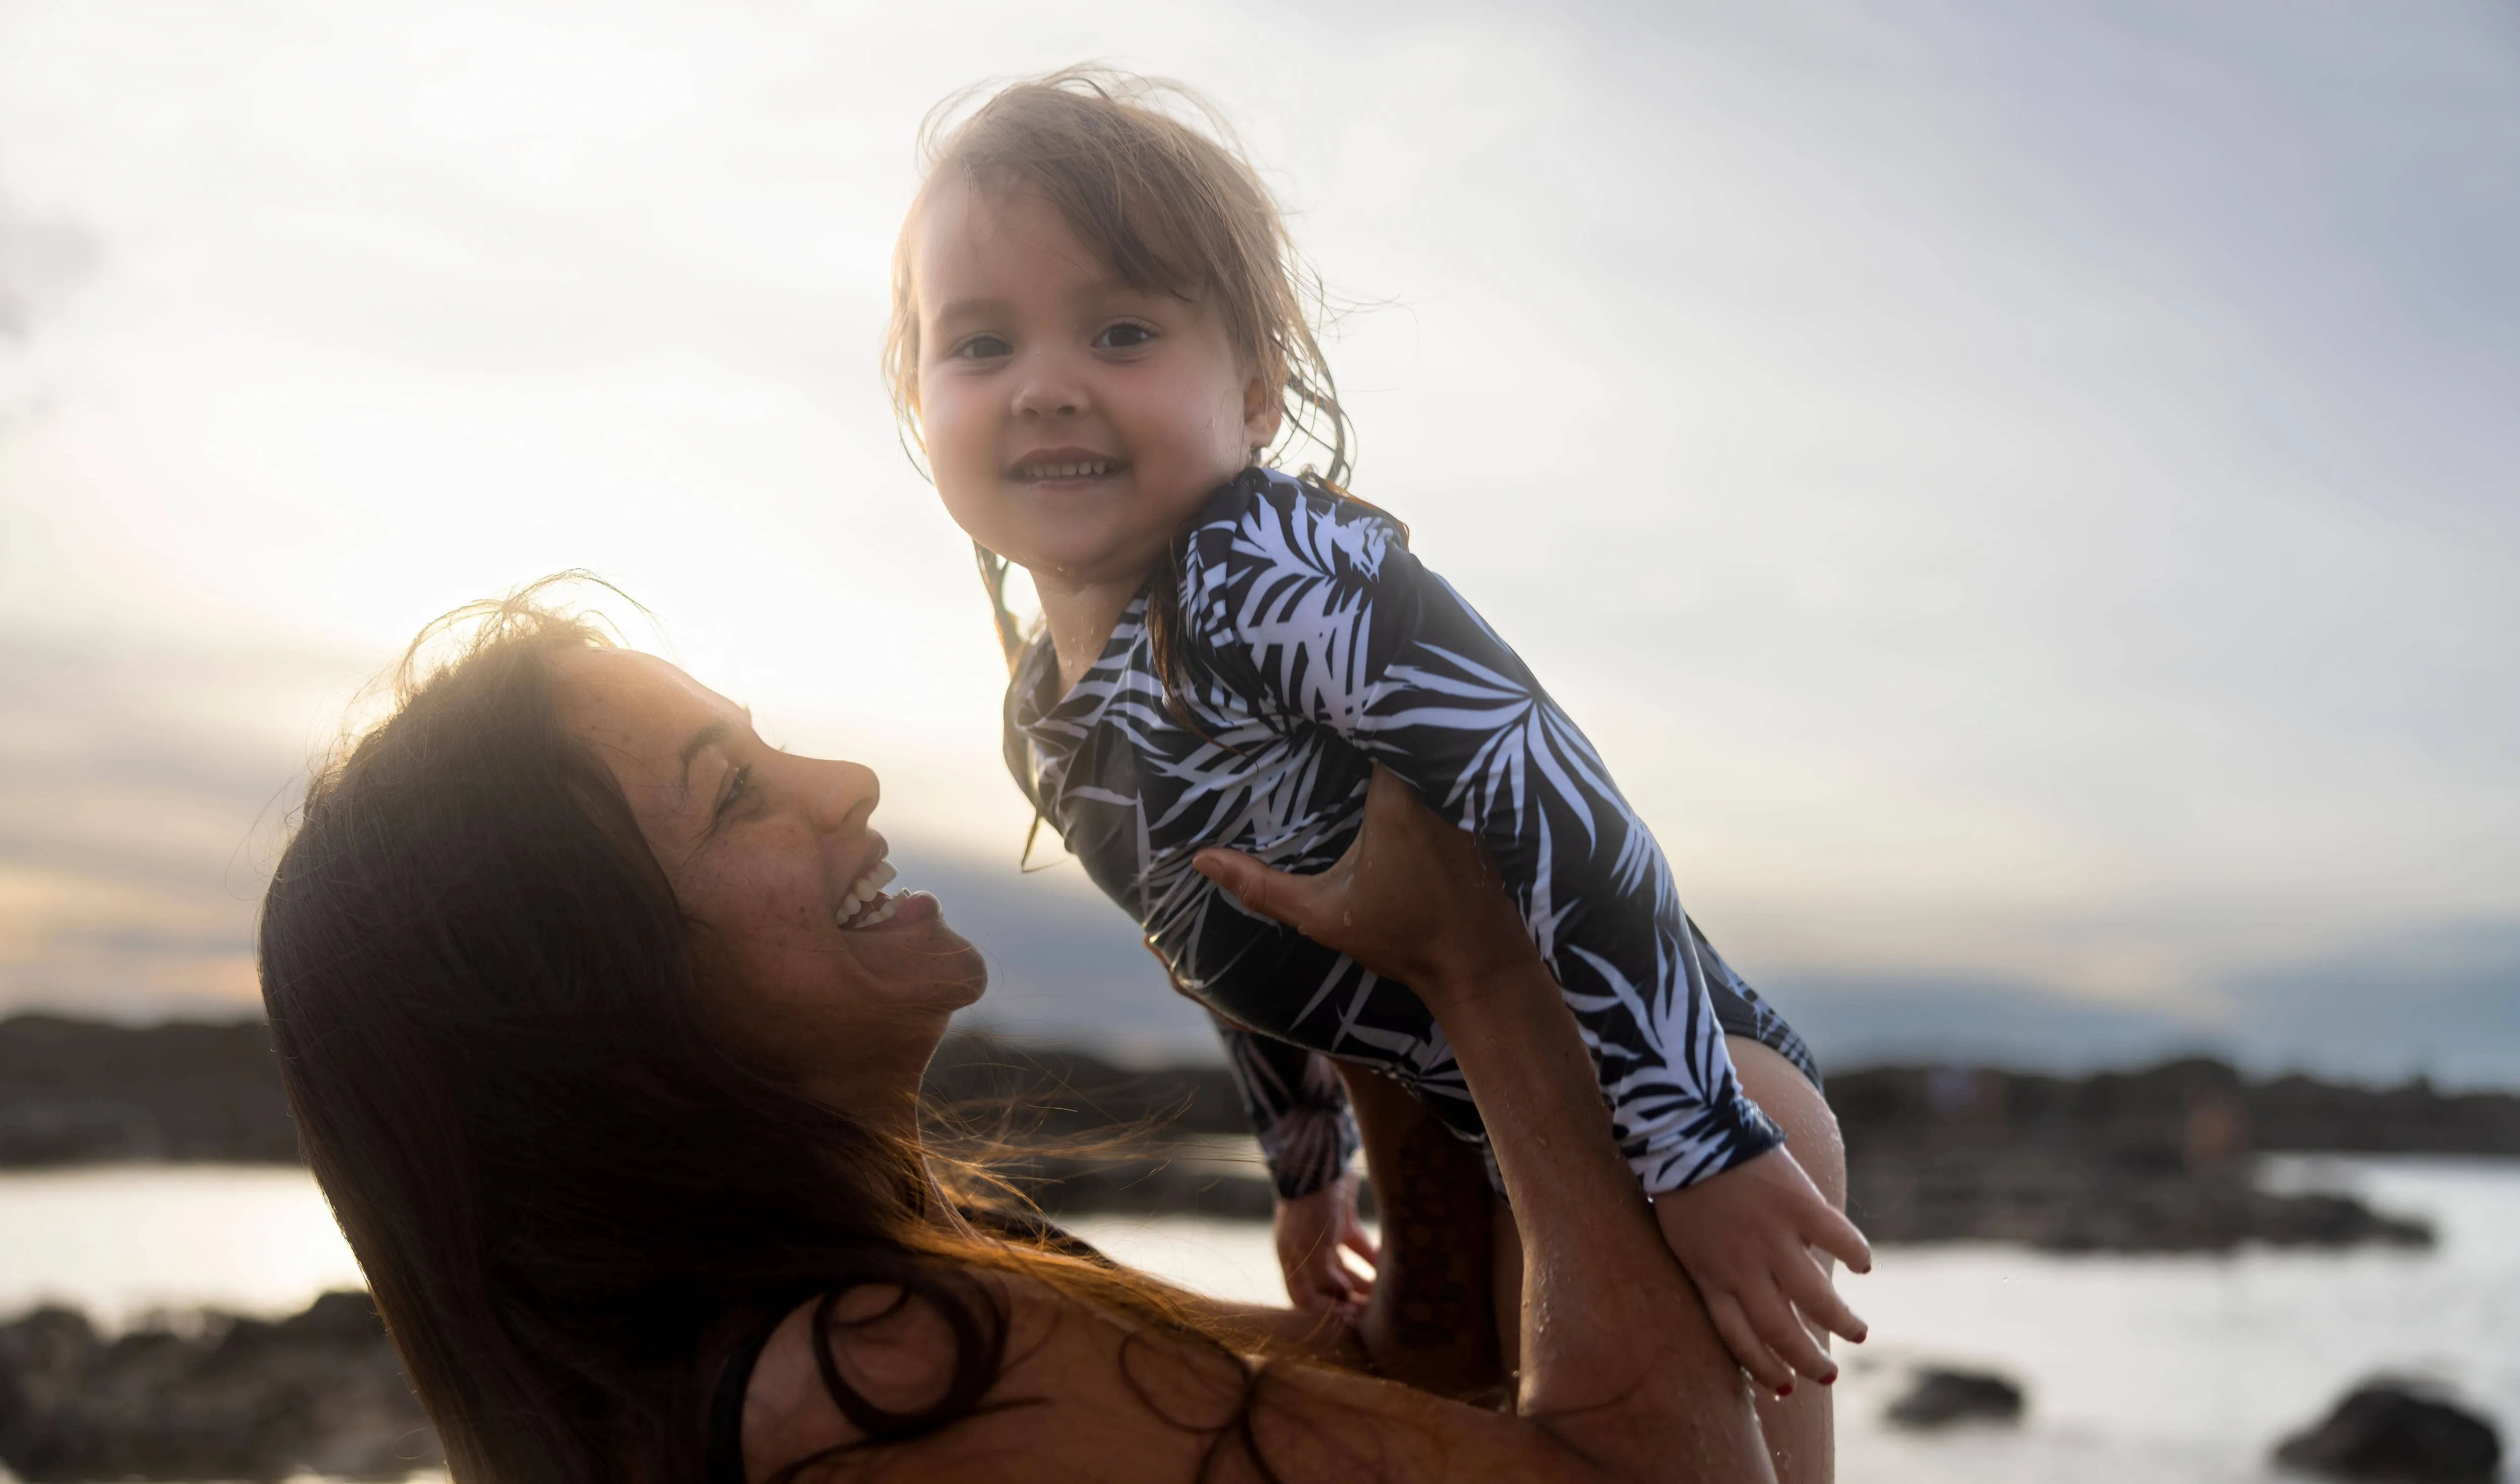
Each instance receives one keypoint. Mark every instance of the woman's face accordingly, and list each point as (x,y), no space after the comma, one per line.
(804,960)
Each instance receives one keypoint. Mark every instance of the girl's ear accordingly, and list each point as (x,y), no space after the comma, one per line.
(1264,412)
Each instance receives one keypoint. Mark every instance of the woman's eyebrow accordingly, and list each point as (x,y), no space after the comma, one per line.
(710,736)
(713,734)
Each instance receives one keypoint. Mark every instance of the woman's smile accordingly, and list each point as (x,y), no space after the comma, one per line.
(772,854)
(866,905)
(895,914)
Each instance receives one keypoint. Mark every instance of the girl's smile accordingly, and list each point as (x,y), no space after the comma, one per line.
(1066,468)
(1072,420)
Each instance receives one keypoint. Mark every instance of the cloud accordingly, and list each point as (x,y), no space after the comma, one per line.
(2018,494)
(136,778)
(2444,1002)
(40,261)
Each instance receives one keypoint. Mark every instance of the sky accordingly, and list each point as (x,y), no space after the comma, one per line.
(2025,498)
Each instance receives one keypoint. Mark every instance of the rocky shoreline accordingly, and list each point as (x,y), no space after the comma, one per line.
(2147,1161)
(320,1392)
(2152,1160)
(2157,1160)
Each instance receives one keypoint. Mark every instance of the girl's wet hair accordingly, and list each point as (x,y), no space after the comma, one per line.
(1172,207)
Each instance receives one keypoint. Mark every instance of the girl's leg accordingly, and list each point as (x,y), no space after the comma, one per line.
(1801,1429)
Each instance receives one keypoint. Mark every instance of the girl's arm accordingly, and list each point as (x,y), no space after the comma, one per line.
(1308,1135)
(1394,903)
(1623,1377)
(1315,608)
(1297,1107)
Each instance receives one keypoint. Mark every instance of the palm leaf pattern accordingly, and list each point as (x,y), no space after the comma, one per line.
(1321,647)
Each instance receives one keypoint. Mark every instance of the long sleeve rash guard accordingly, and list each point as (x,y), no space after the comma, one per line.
(1315,645)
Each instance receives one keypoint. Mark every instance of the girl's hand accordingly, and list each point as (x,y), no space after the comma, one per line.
(1746,1238)
(1414,899)
(1310,1232)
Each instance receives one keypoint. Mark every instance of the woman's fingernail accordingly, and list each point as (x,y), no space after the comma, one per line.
(1784,1391)
(1830,1379)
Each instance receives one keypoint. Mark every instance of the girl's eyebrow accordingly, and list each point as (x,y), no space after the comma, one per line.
(1097,290)
(971,310)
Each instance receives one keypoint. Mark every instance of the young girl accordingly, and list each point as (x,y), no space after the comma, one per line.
(1098,331)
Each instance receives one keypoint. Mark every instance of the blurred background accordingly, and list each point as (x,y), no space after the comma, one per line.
(2025,497)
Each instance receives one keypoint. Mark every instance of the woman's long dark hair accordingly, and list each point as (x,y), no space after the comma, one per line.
(566,1197)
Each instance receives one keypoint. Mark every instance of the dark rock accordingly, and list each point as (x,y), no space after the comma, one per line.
(319,1392)
(1151,1182)
(2069,1201)
(2179,1114)
(1940,1397)
(1026,1092)
(2149,1161)
(2393,1430)
(79,1091)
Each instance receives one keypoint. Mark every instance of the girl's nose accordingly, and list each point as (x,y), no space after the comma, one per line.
(1048,388)
(844,797)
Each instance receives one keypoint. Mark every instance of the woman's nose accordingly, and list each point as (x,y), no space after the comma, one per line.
(844,797)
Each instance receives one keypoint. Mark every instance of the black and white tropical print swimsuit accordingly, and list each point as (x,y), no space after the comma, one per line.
(1319,645)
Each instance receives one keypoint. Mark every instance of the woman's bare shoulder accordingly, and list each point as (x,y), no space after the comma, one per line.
(1083,1392)
(1061,1380)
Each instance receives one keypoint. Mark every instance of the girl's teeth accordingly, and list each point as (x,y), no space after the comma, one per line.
(1067,471)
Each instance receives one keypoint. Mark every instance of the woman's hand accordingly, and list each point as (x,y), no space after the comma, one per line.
(1414,898)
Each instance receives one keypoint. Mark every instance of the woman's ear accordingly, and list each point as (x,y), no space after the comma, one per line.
(1264,412)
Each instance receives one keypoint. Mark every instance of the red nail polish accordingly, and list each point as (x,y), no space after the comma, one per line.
(1784,1391)
(1830,1379)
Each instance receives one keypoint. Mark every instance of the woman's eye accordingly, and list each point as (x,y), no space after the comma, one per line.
(982,348)
(737,785)
(1125,335)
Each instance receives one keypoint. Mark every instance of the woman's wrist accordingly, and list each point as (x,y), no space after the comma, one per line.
(1474,975)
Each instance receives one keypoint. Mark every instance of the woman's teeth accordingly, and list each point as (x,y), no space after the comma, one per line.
(866,904)
(881,913)
(1092,469)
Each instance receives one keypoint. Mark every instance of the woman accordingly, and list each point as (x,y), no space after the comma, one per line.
(604,1041)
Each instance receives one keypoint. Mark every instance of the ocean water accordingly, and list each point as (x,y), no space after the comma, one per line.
(2178,1369)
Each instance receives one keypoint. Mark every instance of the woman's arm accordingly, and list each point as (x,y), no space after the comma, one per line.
(1431,1319)
(1609,1320)
(1623,1377)
(1317,608)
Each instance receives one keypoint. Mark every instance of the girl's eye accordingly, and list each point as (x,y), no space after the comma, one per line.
(1124,336)
(982,348)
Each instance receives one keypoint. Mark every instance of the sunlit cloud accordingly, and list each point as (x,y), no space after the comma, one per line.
(2021,496)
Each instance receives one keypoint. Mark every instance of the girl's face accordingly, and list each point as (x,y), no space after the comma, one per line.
(1072,423)
(771,861)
